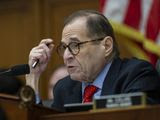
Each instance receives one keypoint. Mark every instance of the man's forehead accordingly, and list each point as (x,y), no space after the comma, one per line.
(74,31)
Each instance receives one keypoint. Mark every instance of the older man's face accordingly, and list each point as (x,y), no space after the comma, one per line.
(86,65)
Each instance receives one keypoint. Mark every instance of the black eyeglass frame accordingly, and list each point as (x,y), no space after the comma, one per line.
(78,45)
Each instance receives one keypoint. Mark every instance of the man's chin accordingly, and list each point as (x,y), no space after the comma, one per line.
(76,77)
(79,77)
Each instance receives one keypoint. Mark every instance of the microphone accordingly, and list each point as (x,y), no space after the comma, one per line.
(16,70)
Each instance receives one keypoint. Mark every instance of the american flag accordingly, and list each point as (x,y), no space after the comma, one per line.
(142,15)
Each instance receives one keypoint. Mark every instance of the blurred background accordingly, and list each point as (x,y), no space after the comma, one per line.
(23,23)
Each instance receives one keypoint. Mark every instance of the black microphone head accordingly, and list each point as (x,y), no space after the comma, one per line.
(20,69)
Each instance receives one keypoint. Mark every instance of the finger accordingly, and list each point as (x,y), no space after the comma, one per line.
(38,56)
(43,54)
(45,49)
(46,41)
(51,46)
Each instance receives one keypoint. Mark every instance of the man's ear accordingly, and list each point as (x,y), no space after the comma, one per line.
(108,44)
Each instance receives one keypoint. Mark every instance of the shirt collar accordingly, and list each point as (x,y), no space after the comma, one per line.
(98,82)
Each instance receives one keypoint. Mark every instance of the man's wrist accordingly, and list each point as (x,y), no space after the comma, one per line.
(33,81)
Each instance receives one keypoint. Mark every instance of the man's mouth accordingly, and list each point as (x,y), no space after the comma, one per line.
(71,68)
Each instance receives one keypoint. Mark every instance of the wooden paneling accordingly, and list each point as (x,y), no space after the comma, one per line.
(18,31)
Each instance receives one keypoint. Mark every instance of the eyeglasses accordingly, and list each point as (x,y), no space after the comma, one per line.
(74,47)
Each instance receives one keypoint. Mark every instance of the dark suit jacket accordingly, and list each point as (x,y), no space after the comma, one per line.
(2,115)
(124,76)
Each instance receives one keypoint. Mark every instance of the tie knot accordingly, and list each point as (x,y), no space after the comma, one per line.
(89,92)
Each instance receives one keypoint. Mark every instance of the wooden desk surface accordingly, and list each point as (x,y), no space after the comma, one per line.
(132,113)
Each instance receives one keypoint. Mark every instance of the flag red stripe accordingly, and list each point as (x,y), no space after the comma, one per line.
(102,4)
(153,23)
(133,15)
(153,26)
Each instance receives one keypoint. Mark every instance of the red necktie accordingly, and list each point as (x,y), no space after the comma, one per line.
(88,93)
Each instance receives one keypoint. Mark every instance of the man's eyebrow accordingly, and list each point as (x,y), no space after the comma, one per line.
(74,40)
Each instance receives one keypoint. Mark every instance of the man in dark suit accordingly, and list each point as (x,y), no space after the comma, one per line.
(90,53)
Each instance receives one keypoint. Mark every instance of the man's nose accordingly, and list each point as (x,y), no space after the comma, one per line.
(67,54)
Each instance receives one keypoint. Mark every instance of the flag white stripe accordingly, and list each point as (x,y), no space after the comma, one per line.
(145,8)
(116,10)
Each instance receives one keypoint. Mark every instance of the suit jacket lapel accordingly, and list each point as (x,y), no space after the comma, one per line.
(108,85)
(75,96)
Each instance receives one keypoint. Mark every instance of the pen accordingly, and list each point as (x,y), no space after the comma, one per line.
(37,61)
